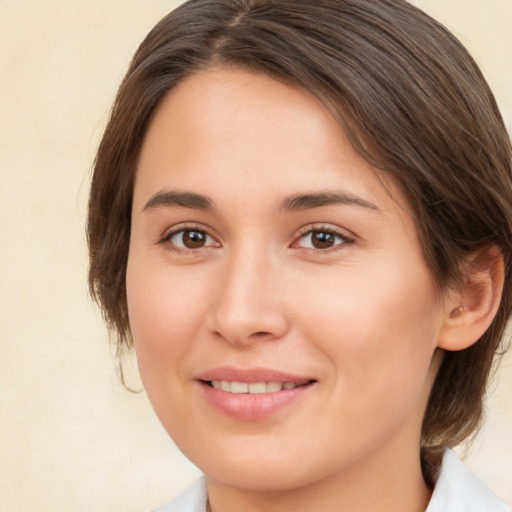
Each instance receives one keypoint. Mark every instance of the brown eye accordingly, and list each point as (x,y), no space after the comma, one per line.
(321,240)
(190,239)
(193,239)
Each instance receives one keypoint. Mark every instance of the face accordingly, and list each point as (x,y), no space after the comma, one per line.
(283,316)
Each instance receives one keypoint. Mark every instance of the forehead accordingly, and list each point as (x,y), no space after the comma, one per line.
(227,129)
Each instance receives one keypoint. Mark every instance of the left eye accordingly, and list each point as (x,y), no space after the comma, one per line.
(320,239)
(190,239)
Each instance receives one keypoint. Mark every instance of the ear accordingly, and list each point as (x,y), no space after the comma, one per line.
(471,308)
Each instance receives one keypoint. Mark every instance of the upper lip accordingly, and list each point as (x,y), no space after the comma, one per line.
(250,375)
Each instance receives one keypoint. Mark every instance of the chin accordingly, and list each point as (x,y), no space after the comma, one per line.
(259,469)
(259,479)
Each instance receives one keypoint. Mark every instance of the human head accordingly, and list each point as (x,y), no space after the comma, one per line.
(409,98)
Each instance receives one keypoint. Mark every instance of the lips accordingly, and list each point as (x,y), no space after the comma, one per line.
(250,375)
(252,394)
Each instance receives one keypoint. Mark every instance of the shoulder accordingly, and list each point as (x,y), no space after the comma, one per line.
(193,499)
(459,490)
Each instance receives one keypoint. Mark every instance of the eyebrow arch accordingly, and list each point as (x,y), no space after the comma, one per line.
(172,198)
(300,202)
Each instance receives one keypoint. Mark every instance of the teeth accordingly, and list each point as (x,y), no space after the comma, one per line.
(272,387)
(256,387)
(239,387)
(253,387)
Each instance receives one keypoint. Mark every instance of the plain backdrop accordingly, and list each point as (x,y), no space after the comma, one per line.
(71,438)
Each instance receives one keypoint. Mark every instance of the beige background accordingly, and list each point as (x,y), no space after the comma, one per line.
(71,438)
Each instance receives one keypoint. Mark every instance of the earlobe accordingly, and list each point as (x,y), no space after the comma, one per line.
(471,309)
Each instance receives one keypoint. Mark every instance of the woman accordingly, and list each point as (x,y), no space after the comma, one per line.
(299,218)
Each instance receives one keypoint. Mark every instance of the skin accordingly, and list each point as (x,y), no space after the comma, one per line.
(360,314)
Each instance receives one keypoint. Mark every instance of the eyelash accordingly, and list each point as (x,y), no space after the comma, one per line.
(329,230)
(304,232)
(167,238)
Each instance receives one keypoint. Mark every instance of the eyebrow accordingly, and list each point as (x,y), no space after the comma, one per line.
(301,202)
(180,199)
(296,202)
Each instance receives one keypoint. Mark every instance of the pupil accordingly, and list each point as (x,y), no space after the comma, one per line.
(193,239)
(323,240)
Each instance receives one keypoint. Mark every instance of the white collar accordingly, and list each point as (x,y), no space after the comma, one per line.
(456,490)
(193,499)
(459,490)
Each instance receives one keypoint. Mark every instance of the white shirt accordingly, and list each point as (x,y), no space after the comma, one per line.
(456,490)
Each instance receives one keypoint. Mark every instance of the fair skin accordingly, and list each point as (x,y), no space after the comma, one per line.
(264,249)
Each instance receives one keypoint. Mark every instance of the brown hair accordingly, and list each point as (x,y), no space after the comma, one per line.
(412,102)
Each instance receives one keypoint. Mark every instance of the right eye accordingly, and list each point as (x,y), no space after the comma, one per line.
(190,239)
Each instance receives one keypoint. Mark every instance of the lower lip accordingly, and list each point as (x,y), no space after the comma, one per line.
(253,407)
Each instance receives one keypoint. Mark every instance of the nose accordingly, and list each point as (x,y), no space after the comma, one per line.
(249,304)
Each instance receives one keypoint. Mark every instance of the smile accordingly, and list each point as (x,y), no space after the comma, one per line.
(254,388)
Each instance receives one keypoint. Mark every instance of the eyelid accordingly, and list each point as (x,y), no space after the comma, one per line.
(347,237)
(187,226)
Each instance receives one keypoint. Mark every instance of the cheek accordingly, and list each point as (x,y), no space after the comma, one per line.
(378,329)
(165,314)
